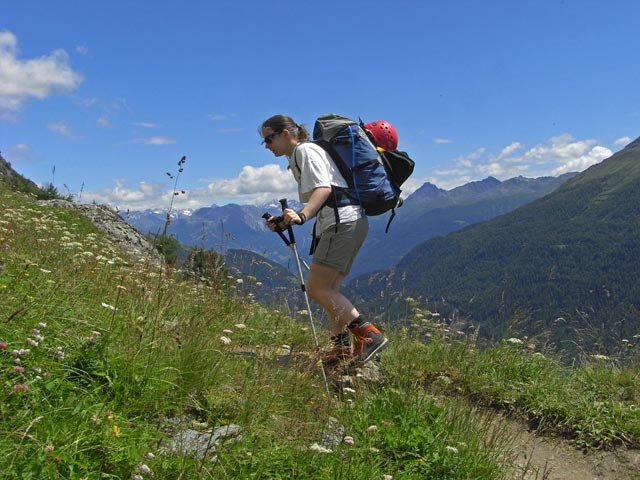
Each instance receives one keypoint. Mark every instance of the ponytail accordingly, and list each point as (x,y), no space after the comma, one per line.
(278,123)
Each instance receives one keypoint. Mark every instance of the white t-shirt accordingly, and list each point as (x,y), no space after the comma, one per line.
(312,167)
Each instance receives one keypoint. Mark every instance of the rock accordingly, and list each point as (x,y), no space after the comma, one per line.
(122,234)
(202,444)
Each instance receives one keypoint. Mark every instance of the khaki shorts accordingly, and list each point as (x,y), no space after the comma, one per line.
(338,249)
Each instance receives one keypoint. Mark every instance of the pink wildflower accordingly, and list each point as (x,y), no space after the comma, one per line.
(20,387)
(348,440)
(19,368)
(3,345)
(145,469)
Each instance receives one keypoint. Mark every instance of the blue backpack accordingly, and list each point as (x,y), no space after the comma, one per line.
(374,177)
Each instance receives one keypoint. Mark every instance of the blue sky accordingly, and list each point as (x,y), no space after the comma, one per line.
(103,98)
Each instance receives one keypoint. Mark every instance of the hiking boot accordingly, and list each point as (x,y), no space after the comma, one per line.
(367,342)
(338,354)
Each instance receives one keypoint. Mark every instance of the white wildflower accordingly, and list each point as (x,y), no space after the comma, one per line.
(319,448)
(225,340)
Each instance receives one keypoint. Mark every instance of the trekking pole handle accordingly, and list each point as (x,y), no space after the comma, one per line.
(278,230)
(283,202)
(267,216)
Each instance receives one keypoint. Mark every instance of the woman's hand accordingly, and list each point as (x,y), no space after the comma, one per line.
(272,223)
(291,217)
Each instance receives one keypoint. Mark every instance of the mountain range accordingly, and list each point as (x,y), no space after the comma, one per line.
(431,212)
(428,212)
(563,267)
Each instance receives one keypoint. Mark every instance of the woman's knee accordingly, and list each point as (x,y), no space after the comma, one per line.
(317,291)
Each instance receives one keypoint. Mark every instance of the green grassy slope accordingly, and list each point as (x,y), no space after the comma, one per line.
(101,356)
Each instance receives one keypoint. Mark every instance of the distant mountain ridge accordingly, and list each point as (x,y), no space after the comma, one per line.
(222,228)
(428,212)
(563,266)
(431,212)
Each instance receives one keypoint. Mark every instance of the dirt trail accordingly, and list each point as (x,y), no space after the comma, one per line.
(539,458)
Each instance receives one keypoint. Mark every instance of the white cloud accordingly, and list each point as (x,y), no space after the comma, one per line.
(563,154)
(442,141)
(104,122)
(82,50)
(62,128)
(155,140)
(559,155)
(509,149)
(221,116)
(256,185)
(39,78)
(146,195)
(253,185)
(468,159)
(20,152)
(583,161)
(623,141)
(145,124)
(493,169)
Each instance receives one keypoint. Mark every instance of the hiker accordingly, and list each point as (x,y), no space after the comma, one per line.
(336,243)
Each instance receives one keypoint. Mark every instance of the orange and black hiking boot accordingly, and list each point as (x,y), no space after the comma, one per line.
(367,342)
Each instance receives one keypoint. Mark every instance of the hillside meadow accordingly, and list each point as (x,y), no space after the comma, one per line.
(105,360)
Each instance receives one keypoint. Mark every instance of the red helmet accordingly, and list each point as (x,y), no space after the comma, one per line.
(384,134)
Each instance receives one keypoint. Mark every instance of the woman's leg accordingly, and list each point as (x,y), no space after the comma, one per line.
(323,286)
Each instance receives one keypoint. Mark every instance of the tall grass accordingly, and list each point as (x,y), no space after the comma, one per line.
(103,358)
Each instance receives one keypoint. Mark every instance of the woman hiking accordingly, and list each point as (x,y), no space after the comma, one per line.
(336,243)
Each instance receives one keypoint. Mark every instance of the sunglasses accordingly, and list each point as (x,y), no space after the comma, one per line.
(269,138)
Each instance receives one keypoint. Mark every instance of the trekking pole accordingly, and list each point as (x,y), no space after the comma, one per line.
(291,243)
